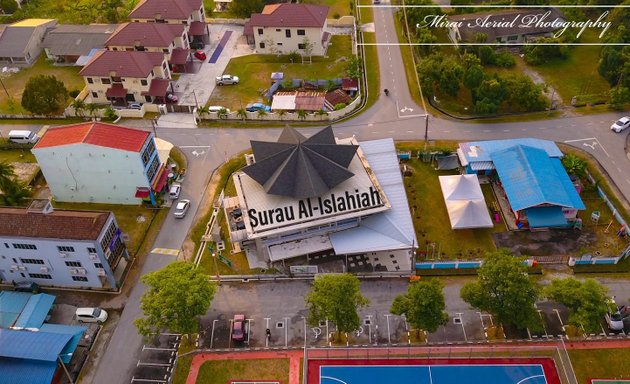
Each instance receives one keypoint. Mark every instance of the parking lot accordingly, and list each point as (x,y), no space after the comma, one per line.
(155,363)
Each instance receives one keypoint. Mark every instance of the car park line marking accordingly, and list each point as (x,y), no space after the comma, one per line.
(133,380)
(166,251)
(153,364)
(157,349)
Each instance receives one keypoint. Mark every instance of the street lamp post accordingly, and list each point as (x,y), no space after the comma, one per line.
(426,127)
(216,266)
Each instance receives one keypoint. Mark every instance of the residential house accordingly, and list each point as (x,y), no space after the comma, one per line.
(529,176)
(101,163)
(170,39)
(21,42)
(465,28)
(60,248)
(187,12)
(285,28)
(76,44)
(308,101)
(120,77)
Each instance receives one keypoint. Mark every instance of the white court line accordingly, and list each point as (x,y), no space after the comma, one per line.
(531,377)
(332,378)
(430,376)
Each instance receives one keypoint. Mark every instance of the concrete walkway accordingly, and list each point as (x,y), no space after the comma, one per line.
(293,356)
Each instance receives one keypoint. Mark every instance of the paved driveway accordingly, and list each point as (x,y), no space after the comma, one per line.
(202,82)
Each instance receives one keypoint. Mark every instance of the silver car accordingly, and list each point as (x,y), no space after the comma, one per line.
(227,79)
(181,208)
(621,124)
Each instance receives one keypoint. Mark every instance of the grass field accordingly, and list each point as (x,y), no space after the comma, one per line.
(255,71)
(431,219)
(221,372)
(126,216)
(600,363)
(337,7)
(15,83)
(16,156)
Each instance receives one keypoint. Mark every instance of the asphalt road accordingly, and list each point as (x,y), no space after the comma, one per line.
(391,116)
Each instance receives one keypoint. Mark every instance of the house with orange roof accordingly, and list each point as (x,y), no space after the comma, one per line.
(122,77)
(190,13)
(284,28)
(101,163)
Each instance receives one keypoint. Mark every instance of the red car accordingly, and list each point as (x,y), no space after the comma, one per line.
(238,328)
(200,55)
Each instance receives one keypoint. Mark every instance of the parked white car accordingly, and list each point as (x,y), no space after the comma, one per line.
(621,124)
(227,79)
(91,315)
(181,209)
(174,191)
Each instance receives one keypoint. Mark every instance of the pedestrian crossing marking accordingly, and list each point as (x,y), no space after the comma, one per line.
(166,251)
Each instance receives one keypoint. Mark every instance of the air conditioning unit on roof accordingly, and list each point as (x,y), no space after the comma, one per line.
(62,255)
(73,271)
(43,269)
(101,272)
(81,271)
(93,256)
(22,268)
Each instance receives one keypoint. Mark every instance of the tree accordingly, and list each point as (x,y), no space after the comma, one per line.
(7,174)
(110,113)
(15,194)
(522,94)
(585,299)
(92,108)
(242,113)
(440,72)
(545,50)
(44,95)
(178,294)
(354,68)
(425,38)
(321,113)
(8,7)
(618,96)
(281,113)
(202,111)
(79,106)
(301,114)
(504,290)
(574,165)
(222,113)
(336,297)
(423,305)
(261,113)
(245,8)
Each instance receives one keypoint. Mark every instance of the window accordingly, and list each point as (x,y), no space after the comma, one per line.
(153,168)
(116,79)
(24,246)
(262,45)
(32,261)
(91,250)
(90,81)
(79,278)
(165,50)
(301,32)
(144,82)
(109,235)
(106,81)
(148,152)
(14,259)
(147,98)
(301,46)
(40,276)
(287,32)
(65,249)
(114,49)
(73,263)
(94,95)
(98,265)
(6,245)
(260,31)
(512,38)
(279,43)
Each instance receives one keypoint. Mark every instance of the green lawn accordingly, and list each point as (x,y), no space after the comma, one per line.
(577,75)
(337,7)
(183,363)
(126,216)
(221,372)
(430,216)
(16,156)
(600,363)
(15,83)
(255,71)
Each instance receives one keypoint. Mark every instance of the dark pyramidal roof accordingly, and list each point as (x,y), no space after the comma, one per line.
(299,167)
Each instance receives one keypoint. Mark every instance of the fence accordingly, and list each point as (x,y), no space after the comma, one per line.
(553,350)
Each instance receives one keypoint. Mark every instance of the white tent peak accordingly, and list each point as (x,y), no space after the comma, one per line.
(462,187)
(465,203)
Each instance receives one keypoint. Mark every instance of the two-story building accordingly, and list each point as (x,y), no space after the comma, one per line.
(59,248)
(21,42)
(101,163)
(187,12)
(285,28)
(121,77)
(169,39)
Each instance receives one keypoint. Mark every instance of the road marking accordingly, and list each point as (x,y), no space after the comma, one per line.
(153,364)
(576,140)
(405,109)
(487,130)
(619,169)
(409,131)
(166,251)
(133,380)
(144,348)
(523,129)
(542,128)
(506,130)
(447,131)
(194,146)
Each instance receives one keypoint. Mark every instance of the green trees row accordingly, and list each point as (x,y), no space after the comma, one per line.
(180,293)
(12,191)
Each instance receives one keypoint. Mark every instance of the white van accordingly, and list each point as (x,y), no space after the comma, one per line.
(91,315)
(23,137)
(217,108)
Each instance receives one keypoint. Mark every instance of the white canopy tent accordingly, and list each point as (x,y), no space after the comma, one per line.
(465,203)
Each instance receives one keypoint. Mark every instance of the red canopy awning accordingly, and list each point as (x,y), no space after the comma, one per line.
(179,56)
(197,28)
(158,88)
(160,179)
(142,192)
(117,91)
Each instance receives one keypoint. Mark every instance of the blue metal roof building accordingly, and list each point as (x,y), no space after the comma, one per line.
(35,312)
(536,183)
(477,155)
(11,305)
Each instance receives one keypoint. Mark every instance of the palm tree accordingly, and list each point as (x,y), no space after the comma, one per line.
(301,114)
(242,113)
(321,114)
(7,174)
(202,111)
(222,113)
(15,194)
(79,106)
(574,165)
(110,113)
(92,109)
(281,113)
(262,113)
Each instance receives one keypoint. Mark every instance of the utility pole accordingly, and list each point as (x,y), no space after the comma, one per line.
(5,89)
(216,266)
(426,127)
(195,96)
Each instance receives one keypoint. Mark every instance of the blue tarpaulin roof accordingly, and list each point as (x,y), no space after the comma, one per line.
(35,311)
(478,151)
(75,331)
(531,178)
(42,346)
(542,217)
(11,305)
(18,371)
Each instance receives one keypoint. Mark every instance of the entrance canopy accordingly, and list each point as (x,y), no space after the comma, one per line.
(465,203)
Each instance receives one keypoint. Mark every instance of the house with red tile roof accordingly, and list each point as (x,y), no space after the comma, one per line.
(284,28)
(170,39)
(185,12)
(100,163)
(121,77)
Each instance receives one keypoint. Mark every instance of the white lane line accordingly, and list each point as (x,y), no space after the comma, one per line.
(487,130)
(506,130)
(576,140)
